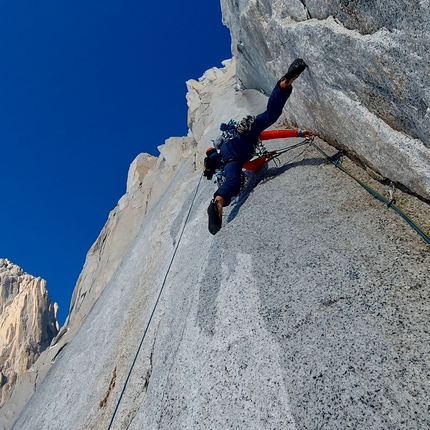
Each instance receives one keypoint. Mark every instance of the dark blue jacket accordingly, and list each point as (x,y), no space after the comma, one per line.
(241,148)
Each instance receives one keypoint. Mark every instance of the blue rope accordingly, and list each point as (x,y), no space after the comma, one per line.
(154,308)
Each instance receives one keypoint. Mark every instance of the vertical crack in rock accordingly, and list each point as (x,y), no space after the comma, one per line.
(109,390)
(54,359)
(308,14)
(36,377)
(148,372)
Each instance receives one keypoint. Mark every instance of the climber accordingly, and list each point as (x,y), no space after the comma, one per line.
(237,150)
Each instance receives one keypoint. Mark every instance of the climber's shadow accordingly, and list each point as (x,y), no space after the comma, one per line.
(265,174)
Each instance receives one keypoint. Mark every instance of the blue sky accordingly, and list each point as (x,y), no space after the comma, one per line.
(86,86)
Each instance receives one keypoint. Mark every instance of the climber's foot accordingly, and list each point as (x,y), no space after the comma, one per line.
(294,71)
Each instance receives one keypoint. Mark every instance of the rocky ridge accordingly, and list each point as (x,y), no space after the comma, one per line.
(27,323)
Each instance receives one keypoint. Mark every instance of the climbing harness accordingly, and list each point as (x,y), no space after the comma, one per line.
(262,156)
(220,179)
(389,203)
(155,307)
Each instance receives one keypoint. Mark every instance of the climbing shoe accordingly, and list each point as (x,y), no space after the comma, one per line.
(215,218)
(294,71)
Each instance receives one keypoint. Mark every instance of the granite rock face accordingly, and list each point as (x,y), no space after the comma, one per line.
(309,309)
(367,86)
(147,178)
(27,323)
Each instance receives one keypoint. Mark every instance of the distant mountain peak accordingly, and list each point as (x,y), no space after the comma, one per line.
(28,323)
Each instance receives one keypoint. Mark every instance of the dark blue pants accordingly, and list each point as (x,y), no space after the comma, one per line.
(241,148)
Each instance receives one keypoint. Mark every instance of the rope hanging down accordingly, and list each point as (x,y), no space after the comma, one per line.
(374,193)
(155,307)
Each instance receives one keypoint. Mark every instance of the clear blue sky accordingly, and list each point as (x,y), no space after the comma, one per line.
(85,86)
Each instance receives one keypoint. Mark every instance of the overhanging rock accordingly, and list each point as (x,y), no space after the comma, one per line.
(366,88)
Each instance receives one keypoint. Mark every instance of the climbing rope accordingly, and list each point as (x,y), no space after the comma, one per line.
(155,306)
(270,155)
(289,148)
(374,193)
(273,155)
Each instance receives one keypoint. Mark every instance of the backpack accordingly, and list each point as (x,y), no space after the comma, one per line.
(232,129)
(212,162)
